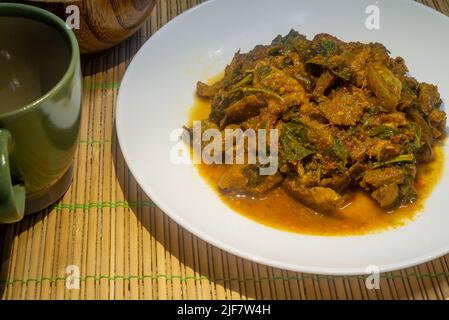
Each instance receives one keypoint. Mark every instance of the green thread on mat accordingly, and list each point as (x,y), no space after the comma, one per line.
(103,205)
(95,141)
(196,278)
(101,85)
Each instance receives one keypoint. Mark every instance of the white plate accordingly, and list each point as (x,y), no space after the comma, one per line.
(159,86)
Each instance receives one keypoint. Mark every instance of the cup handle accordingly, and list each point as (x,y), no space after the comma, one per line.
(12,198)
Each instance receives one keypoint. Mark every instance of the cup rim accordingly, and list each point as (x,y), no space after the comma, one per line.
(28,11)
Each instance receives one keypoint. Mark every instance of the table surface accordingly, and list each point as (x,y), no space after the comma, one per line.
(124,247)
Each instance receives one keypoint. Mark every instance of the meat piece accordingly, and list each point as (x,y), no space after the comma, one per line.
(437,120)
(392,119)
(259,184)
(378,53)
(243,109)
(358,64)
(325,80)
(381,149)
(323,200)
(280,82)
(429,97)
(382,176)
(357,170)
(344,108)
(392,186)
(311,110)
(397,65)
(339,182)
(208,91)
(233,179)
(242,62)
(264,120)
(288,90)
(318,134)
(384,84)
(246,179)
(357,150)
(387,196)
(307,178)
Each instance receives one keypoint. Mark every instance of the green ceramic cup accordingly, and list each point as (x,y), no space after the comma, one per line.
(40,109)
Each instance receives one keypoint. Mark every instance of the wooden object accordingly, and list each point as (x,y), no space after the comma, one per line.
(102,23)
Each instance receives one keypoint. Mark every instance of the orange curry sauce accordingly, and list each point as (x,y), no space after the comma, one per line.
(278,210)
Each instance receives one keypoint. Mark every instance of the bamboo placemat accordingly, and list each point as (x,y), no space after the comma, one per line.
(127,248)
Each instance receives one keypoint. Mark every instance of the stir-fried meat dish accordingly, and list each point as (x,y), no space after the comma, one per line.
(348,115)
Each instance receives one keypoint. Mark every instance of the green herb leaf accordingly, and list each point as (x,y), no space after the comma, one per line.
(293,41)
(263,71)
(338,150)
(382,131)
(258,90)
(293,140)
(274,50)
(407,89)
(328,47)
(252,174)
(401,158)
(340,70)
(245,80)
(296,128)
